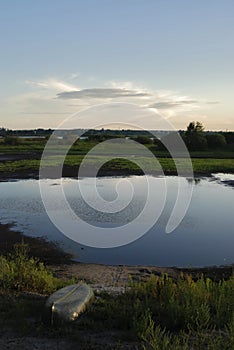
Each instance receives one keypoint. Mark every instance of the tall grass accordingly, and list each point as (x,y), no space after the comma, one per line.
(157,338)
(21,273)
(165,313)
(187,304)
(185,314)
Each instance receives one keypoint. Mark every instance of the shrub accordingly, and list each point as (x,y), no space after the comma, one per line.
(21,273)
(144,140)
(182,305)
(187,304)
(216,141)
(12,141)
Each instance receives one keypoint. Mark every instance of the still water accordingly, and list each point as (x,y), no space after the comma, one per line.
(204,237)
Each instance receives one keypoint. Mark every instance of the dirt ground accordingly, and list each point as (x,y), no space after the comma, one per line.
(109,278)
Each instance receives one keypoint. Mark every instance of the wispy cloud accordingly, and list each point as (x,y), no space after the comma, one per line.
(53,98)
(44,113)
(212,102)
(172,104)
(165,100)
(53,84)
(61,97)
(73,76)
(101,93)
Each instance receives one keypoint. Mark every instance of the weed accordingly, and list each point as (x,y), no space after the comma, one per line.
(21,273)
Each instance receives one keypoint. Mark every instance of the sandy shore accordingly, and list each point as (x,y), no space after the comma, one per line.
(115,279)
(109,278)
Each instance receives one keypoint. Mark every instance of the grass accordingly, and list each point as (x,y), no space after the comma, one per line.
(19,272)
(204,162)
(24,146)
(200,165)
(83,146)
(208,165)
(166,314)
(160,314)
(156,338)
(19,165)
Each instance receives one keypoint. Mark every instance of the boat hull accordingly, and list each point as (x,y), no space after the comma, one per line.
(68,303)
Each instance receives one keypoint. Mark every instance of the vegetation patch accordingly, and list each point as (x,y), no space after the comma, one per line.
(166,314)
(159,313)
(210,152)
(19,272)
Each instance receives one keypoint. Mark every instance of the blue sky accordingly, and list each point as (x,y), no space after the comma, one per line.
(172,56)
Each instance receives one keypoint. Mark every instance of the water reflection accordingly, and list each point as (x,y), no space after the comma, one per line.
(204,237)
(193,181)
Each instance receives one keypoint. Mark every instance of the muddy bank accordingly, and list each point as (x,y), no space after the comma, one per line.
(72,172)
(114,279)
(46,251)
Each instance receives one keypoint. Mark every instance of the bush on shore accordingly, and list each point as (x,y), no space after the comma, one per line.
(20,272)
(162,313)
(168,314)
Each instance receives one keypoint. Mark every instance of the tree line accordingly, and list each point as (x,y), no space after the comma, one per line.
(195,137)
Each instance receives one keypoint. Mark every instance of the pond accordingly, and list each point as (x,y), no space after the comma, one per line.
(204,237)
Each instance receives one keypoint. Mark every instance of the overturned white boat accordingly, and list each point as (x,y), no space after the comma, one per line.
(68,303)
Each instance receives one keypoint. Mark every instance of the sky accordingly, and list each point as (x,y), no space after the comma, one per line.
(170,57)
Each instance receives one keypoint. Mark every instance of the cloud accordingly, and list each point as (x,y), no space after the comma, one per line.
(169,102)
(172,104)
(212,102)
(44,113)
(129,85)
(53,84)
(101,93)
(73,76)
(55,98)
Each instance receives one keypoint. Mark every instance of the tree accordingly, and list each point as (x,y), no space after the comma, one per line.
(144,140)
(229,137)
(195,138)
(216,141)
(194,127)
(3,132)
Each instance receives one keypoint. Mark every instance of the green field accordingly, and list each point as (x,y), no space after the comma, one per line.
(200,165)
(29,152)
